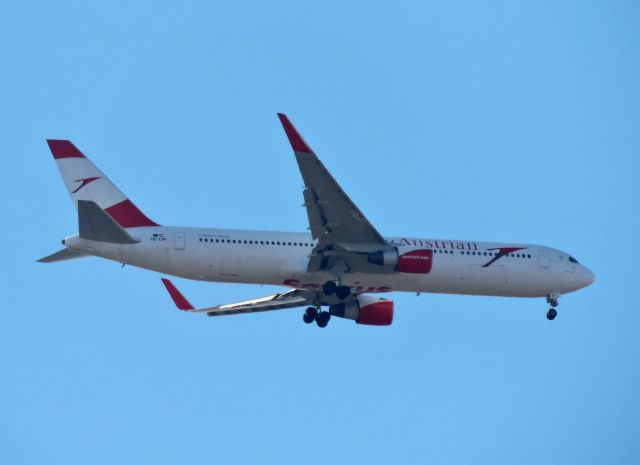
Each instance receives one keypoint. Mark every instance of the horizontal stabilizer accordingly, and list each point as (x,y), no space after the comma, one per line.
(62,255)
(95,224)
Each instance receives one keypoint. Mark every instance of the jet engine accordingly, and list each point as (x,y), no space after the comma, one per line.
(414,261)
(365,310)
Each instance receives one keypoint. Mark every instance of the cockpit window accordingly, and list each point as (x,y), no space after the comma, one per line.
(573,260)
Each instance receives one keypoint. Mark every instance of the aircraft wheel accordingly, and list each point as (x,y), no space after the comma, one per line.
(310,315)
(343,292)
(552,313)
(322,320)
(329,287)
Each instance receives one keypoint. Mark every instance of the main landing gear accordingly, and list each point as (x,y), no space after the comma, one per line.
(331,287)
(552,300)
(312,314)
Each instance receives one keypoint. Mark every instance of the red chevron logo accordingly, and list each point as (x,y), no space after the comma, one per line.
(502,252)
(84,182)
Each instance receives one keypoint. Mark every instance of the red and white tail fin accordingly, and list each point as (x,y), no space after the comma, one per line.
(85,181)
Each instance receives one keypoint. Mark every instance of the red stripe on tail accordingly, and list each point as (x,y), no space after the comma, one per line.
(63,149)
(128,215)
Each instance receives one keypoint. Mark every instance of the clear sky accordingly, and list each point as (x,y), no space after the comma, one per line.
(503,120)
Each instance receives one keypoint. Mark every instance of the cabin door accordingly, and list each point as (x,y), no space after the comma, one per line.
(178,241)
(544,259)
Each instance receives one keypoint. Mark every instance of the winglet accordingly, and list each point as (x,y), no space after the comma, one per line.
(295,139)
(181,302)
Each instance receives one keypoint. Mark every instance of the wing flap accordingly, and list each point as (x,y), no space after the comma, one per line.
(272,302)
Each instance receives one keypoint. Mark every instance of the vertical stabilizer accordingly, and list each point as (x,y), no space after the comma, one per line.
(85,181)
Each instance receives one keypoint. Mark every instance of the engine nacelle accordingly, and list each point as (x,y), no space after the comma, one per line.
(415,261)
(365,310)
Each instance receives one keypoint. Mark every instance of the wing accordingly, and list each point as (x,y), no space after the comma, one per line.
(344,235)
(290,299)
(333,217)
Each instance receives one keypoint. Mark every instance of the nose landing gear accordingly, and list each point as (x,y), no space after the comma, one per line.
(552,300)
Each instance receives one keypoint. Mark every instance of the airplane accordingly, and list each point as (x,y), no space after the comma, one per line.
(335,269)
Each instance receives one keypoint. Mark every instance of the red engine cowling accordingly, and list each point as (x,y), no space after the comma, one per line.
(378,314)
(365,310)
(417,261)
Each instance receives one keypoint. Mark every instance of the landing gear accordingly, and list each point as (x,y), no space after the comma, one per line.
(552,300)
(322,320)
(330,287)
(343,292)
(310,315)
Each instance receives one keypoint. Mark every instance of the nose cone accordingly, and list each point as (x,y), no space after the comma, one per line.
(586,277)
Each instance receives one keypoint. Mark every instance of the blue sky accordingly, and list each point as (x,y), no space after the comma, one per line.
(506,121)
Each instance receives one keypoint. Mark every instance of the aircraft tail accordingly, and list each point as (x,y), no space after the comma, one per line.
(85,181)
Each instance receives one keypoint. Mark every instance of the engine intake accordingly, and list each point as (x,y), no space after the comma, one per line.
(417,261)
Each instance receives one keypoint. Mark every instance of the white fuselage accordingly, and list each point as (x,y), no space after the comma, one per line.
(281,258)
